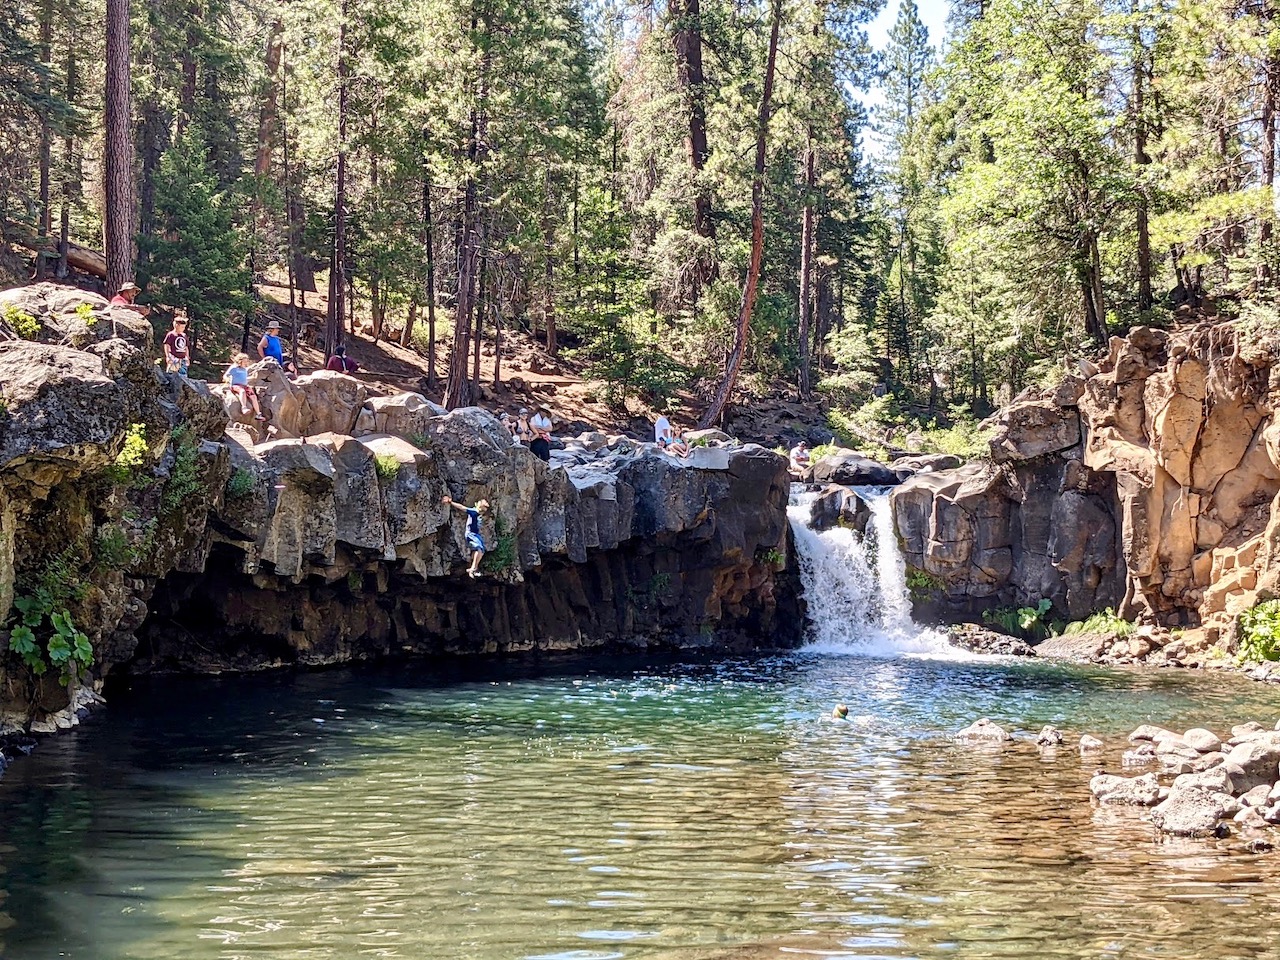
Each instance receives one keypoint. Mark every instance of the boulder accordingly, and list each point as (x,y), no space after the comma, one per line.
(710,435)
(1143,791)
(1191,812)
(1259,796)
(984,730)
(1255,762)
(907,466)
(1050,736)
(838,506)
(1090,744)
(1205,741)
(1149,733)
(1034,427)
(849,468)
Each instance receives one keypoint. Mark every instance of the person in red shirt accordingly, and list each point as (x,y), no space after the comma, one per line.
(126,295)
(341,362)
(176,355)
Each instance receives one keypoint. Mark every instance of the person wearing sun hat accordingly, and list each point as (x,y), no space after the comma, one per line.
(270,345)
(126,295)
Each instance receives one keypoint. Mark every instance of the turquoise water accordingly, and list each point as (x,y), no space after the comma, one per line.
(638,811)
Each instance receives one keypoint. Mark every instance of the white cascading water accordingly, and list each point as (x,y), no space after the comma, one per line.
(856,588)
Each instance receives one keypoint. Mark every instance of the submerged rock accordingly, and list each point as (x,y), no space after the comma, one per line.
(1050,736)
(984,730)
(1143,791)
(1088,744)
(976,639)
(1193,811)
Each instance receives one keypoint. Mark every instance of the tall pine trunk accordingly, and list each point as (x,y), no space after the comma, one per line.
(686,16)
(1270,81)
(337,270)
(807,245)
(734,362)
(1145,297)
(46,126)
(119,220)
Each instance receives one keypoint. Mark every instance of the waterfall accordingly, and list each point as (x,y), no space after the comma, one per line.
(856,587)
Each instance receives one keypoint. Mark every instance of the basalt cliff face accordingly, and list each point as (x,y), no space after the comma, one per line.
(176,542)
(1148,483)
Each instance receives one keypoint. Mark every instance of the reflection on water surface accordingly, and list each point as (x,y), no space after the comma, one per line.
(696,811)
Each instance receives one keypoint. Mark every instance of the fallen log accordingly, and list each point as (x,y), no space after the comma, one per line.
(82,258)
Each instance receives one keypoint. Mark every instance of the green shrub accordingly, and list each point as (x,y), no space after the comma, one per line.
(419,440)
(921,583)
(501,556)
(771,557)
(23,324)
(387,466)
(85,312)
(1260,632)
(111,548)
(184,476)
(1026,622)
(240,483)
(1105,621)
(133,455)
(45,635)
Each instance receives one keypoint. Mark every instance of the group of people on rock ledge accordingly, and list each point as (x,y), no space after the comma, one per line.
(533,432)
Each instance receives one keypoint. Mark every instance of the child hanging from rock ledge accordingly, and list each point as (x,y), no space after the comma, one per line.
(474,540)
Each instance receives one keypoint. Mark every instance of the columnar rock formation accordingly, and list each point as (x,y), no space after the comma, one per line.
(1147,483)
(175,543)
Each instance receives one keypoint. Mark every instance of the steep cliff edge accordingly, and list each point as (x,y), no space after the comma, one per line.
(169,543)
(1148,484)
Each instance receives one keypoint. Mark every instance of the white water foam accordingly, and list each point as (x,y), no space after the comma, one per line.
(856,588)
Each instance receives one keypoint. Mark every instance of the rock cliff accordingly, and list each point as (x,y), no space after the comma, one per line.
(131,501)
(1147,483)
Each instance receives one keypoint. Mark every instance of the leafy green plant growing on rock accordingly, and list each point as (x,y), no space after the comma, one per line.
(85,312)
(921,583)
(45,635)
(771,557)
(1021,621)
(184,476)
(240,483)
(419,440)
(387,466)
(133,455)
(22,323)
(1104,621)
(111,548)
(1260,632)
(501,555)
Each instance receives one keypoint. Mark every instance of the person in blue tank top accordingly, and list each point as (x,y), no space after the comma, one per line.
(475,540)
(270,345)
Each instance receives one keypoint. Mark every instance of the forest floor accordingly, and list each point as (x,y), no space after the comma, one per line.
(530,376)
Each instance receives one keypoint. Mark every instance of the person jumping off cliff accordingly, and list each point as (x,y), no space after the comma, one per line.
(474,540)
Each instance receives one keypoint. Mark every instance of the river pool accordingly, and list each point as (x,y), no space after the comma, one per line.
(636,810)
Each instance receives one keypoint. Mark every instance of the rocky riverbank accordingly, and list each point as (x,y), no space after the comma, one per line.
(140,514)
(1148,483)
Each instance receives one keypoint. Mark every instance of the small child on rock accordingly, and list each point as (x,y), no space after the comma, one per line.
(238,377)
(474,539)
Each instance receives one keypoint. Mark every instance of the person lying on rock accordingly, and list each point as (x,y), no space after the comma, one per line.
(238,376)
(474,540)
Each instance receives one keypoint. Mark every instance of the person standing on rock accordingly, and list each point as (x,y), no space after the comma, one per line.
(541,427)
(272,346)
(474,538)
(177,358)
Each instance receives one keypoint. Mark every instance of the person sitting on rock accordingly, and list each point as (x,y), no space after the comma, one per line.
(677,446)
(662,430)
(523,432)
(177,357)
(126,295)
(474,539)
(800,458)
(238,376)
(340,362)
